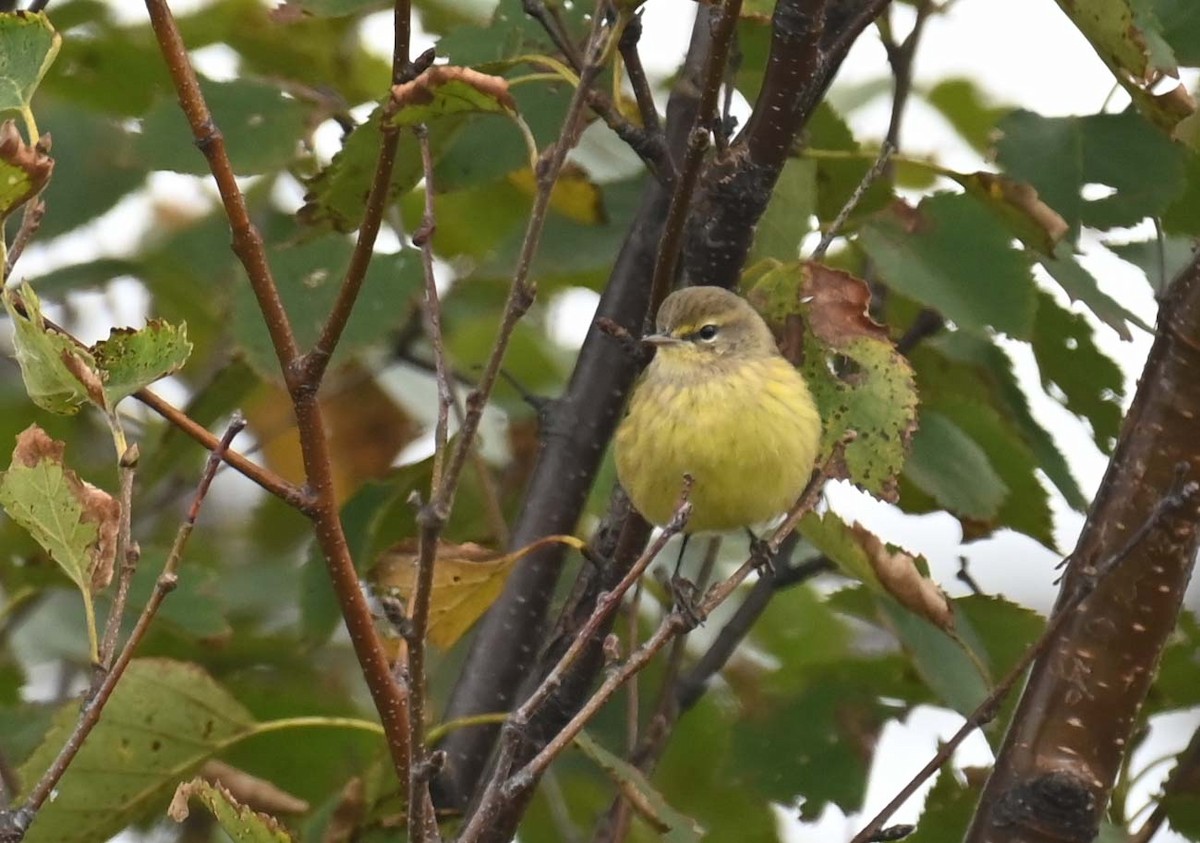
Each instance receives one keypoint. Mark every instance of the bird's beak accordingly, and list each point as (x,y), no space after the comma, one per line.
(658,340)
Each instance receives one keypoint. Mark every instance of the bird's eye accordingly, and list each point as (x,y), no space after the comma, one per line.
(708,333)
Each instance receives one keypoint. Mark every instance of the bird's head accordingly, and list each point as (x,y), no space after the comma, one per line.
(708,324)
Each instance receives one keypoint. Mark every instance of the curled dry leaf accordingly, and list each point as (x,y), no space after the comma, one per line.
(1038,225)
(25,169)
(446,89)
(467,578)
(898,574)
(237,820)
(838,310)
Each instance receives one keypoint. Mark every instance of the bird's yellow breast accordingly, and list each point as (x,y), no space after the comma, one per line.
(747,433)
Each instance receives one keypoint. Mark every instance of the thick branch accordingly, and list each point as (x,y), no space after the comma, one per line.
(809,40)
(1055,772)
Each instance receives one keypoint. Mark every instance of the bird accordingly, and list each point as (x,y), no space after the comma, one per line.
(719,403)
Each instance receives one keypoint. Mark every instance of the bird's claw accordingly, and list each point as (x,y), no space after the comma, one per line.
(683,592)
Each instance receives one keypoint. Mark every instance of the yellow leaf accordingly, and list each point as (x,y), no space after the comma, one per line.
(467,578)
(575,195)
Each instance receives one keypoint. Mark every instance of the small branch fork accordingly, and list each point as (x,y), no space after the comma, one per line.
(1183,493)
(103,687)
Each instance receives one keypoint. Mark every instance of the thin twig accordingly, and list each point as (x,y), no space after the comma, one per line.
(1174,499)
(316,361)
(498,787)
(128,553)
(322,507)
(636,73)
(868,179)
(31,221)
(605,604)
(430,519)
(678,621)
(523,290)
(89,715)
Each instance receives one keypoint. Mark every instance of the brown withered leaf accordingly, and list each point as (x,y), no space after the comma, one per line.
(467,578)
(24,169)
(839,306)
(1035,223)
(898,574)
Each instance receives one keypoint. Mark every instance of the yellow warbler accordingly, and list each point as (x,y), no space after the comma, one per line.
(718,402)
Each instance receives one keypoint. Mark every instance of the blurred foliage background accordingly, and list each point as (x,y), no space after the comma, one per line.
(794,717)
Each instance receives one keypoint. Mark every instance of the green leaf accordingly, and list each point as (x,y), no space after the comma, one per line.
(948,810)
(335,198)
(1160,260)
(1081,286)
(328,8)
(240,822)
(28,45)
(945,664)
(309,276)
(1087,382)
(24,169)
(858,379)
(950,254)
(74,521)
(1060,156)
(88,149)
(1026,506)
(262,130)
(1125,38)
(132,359)
(51,363)
(1030,220)
(965,106)
(984,367)
(164,720)
(672,825)
(887,572)
(788,216)
(1180,25)
(954,469)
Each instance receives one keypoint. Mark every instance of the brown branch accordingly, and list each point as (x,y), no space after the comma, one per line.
(98,698)
(266,479)
(430,520)
(321,507)
(31,221)
(128,552)
(1074,724)
(316,361)
(247,241)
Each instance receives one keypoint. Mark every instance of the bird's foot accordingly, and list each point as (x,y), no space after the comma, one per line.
(683,593)
(761,556)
